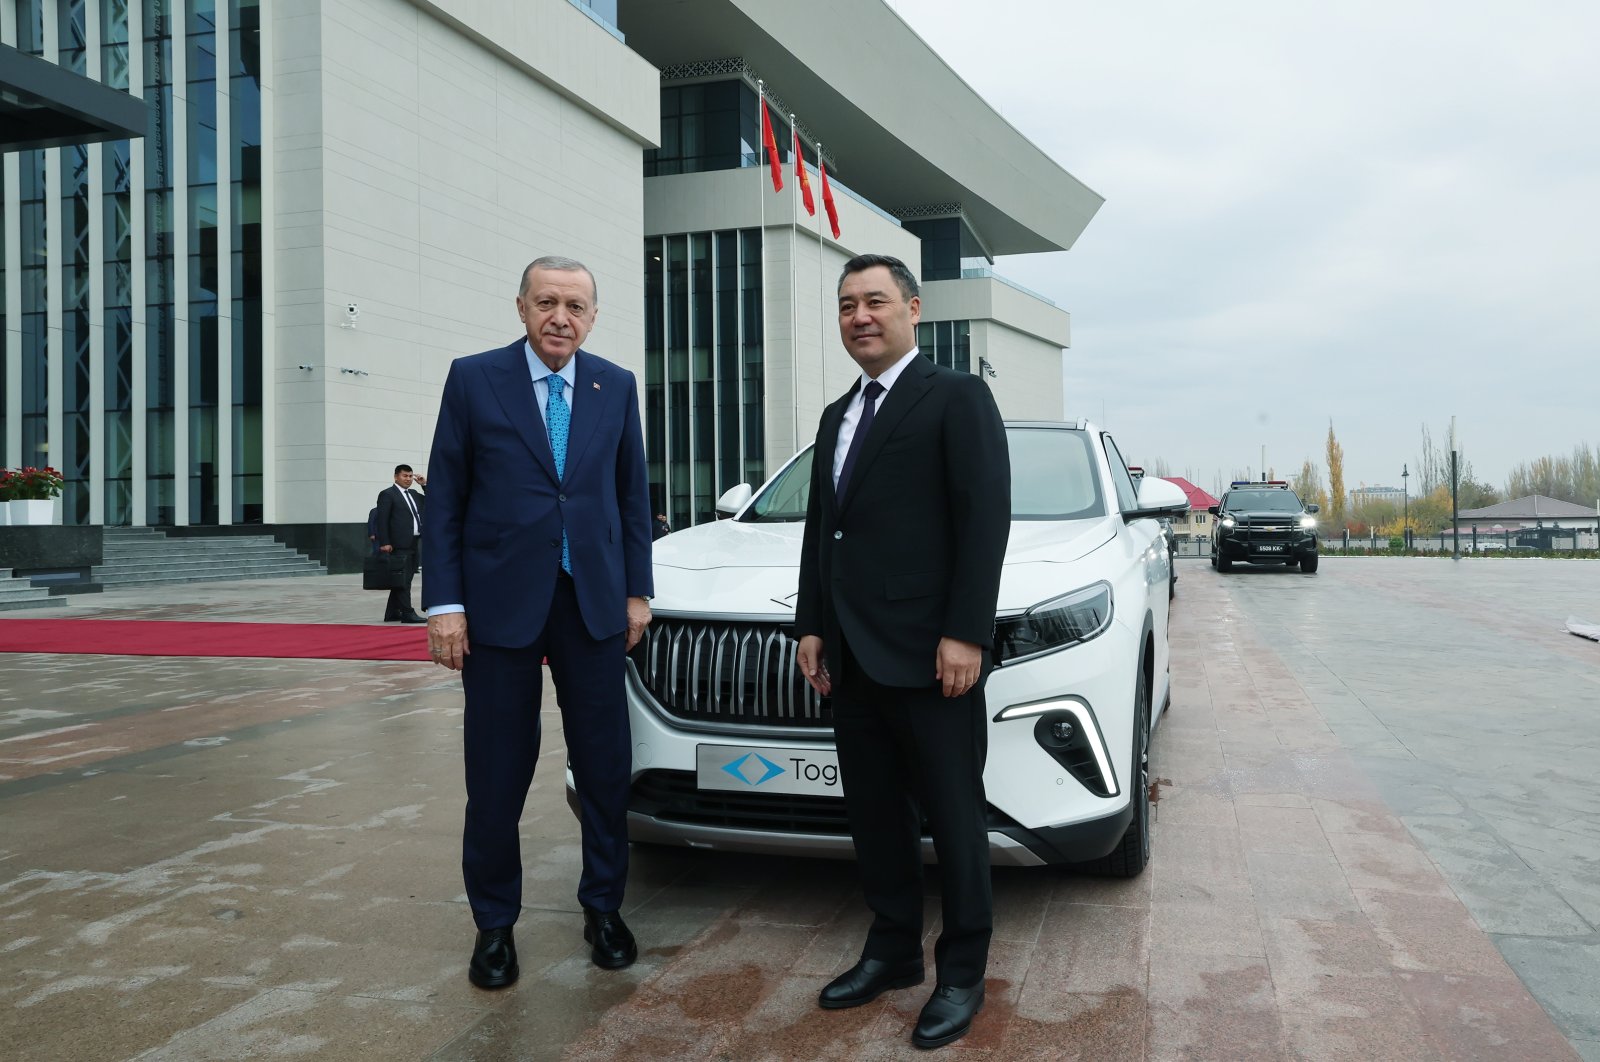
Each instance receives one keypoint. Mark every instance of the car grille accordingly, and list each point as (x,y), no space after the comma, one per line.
(714,671)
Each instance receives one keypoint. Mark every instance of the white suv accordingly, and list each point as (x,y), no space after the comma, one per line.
(732,750)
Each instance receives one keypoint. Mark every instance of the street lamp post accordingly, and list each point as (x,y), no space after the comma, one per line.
(1405,504)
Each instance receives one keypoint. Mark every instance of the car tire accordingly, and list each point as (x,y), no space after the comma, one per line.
(1213,560)
(1132,853)
(1308,563)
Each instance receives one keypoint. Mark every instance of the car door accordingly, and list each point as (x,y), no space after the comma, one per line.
(1148,563)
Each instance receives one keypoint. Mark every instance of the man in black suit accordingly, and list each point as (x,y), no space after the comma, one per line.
(399,531)
(905,535)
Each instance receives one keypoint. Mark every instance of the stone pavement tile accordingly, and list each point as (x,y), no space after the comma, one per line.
(1357,816)
(672,920)
(802,892)
(1299,885)
(1483,1018)
(105,1015)
(1107,892)
(1198,863)
(1021,896)
(1091,950)
(1337,967)
(1261,769)
(890,1036)
(1564,976)
(1573,871)
(1334,775)
(1433,934)
(1387,861)
(1188,805)
(1272,800)
(1272,829)
(1588,1050)
(836,945)
(1395,1033)
(314,1024)
(1219,927)
(1504,894)
(1205,1006)
(1077,1027)
(788,1025)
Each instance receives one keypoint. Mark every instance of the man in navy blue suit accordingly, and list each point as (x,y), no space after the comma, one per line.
(537,534)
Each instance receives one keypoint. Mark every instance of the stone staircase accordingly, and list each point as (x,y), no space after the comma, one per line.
(18,593)
(143,556)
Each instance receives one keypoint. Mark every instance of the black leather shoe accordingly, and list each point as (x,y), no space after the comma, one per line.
(947,1016)
(867,980)
(414,618)
(494,959)
(609,937)
(391,617)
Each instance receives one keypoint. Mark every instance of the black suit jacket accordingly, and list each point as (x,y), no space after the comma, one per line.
(912,552)
(394,519)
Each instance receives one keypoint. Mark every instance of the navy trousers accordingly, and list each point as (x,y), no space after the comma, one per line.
(503,688)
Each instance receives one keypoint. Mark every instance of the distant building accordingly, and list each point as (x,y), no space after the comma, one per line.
(1197,522)
(1362,495)
(1533,511)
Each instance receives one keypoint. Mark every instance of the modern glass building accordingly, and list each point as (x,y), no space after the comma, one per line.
(133,353)
(244,316)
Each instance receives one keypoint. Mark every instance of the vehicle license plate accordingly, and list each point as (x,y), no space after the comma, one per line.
(1269,549)
(744,768)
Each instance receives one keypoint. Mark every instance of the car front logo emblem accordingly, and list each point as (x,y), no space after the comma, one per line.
(742,769)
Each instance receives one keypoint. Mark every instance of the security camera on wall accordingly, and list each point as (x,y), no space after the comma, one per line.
(352,313)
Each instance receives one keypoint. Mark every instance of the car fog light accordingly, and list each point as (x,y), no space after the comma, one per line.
(1061,730)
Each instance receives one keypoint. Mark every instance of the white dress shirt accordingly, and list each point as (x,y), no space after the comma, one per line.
(852,412)
(540,372)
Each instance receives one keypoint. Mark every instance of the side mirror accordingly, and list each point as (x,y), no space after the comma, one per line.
(1214,510)
(1158,497)
(1312,508)
(733,499)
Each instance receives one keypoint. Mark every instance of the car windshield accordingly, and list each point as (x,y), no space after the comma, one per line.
(1258,501)
(1053,477)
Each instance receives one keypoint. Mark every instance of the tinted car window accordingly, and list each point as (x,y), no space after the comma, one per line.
(1271,501)
(1127,493)
(1053,477)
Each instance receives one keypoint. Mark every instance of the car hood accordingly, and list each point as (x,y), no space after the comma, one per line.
(1263,516)
(732,568)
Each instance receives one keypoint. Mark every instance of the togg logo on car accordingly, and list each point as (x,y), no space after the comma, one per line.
(742,769)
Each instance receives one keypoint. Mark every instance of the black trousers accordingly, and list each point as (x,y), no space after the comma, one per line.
(905,753)
(501,744)
(399,603)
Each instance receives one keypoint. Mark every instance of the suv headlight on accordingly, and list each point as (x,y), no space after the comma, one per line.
(1054,624)
(1227,521)
(1308,521)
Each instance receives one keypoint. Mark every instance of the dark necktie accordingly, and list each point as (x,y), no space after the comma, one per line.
(416,524)
(559,414)
(869,404)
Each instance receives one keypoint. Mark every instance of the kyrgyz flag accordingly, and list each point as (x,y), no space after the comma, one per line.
(827,198)
(800,175)
(772,147)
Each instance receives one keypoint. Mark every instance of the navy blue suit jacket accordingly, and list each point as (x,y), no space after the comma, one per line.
(492,528)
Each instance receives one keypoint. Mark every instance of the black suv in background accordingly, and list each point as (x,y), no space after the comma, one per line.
(1264,523)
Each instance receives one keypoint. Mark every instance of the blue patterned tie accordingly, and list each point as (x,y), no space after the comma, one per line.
(559,415)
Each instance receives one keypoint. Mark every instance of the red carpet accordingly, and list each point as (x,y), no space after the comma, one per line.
(321,641)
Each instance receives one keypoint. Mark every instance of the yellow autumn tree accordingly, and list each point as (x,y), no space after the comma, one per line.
(1335,480)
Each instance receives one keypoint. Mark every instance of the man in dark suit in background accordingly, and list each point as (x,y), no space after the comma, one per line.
(538,530)
(399,531)
(905,535)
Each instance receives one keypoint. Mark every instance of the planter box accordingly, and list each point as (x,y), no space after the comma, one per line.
(31,513)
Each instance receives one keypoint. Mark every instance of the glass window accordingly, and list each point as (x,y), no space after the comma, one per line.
(1127,493)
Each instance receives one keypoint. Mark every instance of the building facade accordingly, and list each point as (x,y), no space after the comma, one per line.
(245,316)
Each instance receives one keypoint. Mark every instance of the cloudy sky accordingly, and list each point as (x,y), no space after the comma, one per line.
(1378,214)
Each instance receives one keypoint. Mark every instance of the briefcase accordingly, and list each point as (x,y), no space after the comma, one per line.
(383,571)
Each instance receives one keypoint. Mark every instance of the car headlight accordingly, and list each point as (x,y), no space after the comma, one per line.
(1308,521)
(1227,521)
(1054,624)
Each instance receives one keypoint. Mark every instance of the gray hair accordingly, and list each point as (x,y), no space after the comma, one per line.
(904,279)
(560,265)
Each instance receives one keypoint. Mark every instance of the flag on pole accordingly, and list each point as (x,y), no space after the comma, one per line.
(772,147)
(800,175)
(827,197)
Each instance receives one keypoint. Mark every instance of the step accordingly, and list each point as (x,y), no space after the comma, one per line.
(199,554)
(125,583)
(108,573)
(8,603)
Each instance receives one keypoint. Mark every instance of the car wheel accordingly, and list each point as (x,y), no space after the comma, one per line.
(1213,560)
(1308,563)
(1132,853)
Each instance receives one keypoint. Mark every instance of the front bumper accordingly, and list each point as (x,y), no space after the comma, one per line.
(1039,812)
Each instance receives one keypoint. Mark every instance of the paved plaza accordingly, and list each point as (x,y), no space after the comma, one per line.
(1377,837)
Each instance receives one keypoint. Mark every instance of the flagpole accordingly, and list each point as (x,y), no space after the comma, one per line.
(761,94)
(794,254)
(822,299)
